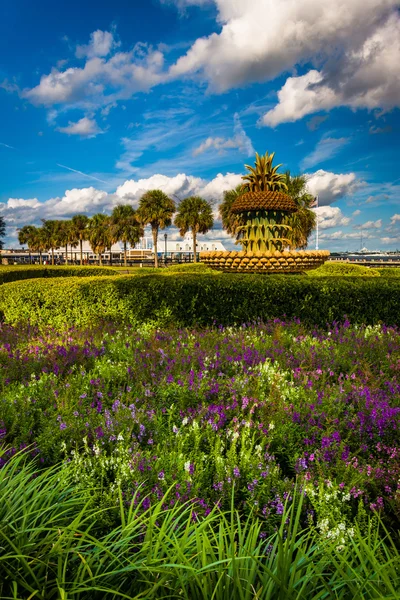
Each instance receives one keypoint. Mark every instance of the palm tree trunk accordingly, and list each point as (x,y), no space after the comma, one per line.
(100,260)
(194,245)
(80,243)
(66,254)
(40,257)
(111,262)
(155,238)
(52,257)
(125,254)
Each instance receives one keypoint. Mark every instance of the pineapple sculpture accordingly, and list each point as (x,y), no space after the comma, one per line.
(262,213)
(264,208)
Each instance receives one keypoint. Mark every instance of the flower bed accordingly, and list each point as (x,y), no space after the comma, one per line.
(253,408)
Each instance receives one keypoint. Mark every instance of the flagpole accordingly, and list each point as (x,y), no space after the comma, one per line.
(317,231)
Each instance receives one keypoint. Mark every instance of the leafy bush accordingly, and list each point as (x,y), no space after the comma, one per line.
(389,271)
(189,268)
(17,273)
(343,269)
(201,299)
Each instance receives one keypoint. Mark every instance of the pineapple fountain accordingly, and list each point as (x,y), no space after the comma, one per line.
(262,214)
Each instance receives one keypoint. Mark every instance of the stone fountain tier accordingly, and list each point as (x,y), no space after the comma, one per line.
(265,262)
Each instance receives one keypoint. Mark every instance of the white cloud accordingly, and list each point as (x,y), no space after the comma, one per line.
(391,241)
(85,127)
(353,46)
(366,75)
(331,216)
(395,219)
(370,225)
(100,44)
(326,148)
(240,141)
(330,187)
(356,213)
(101,81)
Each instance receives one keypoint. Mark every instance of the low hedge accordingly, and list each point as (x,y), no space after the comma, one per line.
(389,271)
(201,299)
(343,269)
(17,273)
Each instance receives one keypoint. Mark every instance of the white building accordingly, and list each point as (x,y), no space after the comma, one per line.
(183,246)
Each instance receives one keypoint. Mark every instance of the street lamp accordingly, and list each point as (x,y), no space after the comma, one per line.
(165,249)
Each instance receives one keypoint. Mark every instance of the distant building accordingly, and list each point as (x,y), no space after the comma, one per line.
(142,250)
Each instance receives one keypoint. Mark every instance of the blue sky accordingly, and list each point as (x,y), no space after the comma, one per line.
(102,101)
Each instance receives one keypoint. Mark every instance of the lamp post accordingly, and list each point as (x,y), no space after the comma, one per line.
(165,247)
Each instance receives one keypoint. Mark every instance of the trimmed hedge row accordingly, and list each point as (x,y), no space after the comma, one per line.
(9,274)
(201,299)
(343,269)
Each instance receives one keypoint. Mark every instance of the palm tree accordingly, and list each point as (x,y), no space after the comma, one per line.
(2,231)
(125,226)
(26,235)
(38,242)
(303,221)
(65,236)
(52,235)
(79,231)
(156,209)
(195,214)
(230,221)
(99,234)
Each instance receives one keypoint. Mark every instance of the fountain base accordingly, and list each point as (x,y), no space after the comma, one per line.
(265,262)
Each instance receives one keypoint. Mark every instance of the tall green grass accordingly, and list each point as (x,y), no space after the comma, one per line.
(54,544)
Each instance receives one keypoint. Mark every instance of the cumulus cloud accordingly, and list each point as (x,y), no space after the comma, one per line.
(100,44)
(259,39)
(326,148)
(331,216)
(352,45)
(395,219)
(365,75)
(391,241)
(239,141)
(330,187)
(85,127)
(369,225)
(101,81)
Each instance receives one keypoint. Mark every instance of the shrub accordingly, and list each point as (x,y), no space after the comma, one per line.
(343,269)
(201,299)
(190,268)
(389,272)
(9,274)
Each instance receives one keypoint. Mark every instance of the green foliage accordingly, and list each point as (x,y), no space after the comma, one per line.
(303,221)
(54,545)
(388,271)
(263,177)
(18,273)
(343,269)
(202,299)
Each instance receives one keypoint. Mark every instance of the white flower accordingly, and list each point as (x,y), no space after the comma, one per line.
(187,466)
(185,421)
(271,426)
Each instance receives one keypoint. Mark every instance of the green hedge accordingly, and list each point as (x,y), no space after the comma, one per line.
(389,271)
(201,299)
(17,273)
(343,269)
